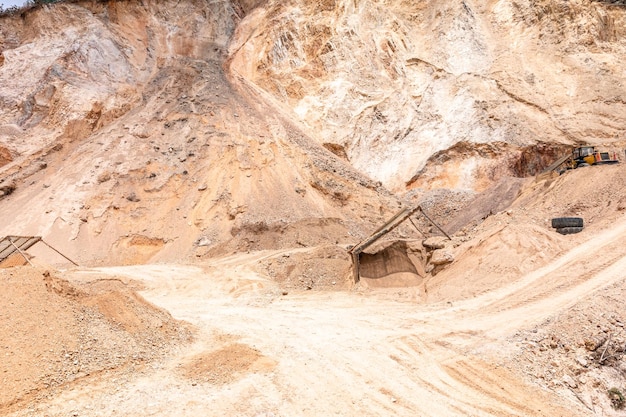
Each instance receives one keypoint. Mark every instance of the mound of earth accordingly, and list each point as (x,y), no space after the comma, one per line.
(596,193)
(320,268)
(580,352)
(54,332)
(226,365)
(494,258)
(494,248)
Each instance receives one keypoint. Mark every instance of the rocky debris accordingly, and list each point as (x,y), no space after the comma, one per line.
(55,331)
(104,177)
(203,241)
(569,381)
(322,268)
(434,242)
(6,189)
(582,361)
(132,197)
(438,260)
(586,346)
(493,200)
(593,343)
(441,257)
(437,254)
(441,205)
(5,155)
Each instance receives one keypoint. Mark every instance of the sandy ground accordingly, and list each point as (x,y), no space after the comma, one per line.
(262,352)
(131,134)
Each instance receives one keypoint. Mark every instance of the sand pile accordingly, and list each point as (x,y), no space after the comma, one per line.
(493,248)
(54,332)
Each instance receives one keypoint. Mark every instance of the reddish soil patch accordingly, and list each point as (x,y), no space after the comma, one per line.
(5,156)
(227,364)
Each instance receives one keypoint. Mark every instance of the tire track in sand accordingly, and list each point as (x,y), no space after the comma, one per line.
(597,263)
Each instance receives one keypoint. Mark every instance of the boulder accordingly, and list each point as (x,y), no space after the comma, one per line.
(441,257)
(6,189)
(434,242)
(569,381)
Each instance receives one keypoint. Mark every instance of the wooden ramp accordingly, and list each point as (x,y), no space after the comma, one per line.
(10,245)
(556,163)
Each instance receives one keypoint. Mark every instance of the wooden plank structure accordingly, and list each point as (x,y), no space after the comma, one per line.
(390,225)
(557,163)
(10,245)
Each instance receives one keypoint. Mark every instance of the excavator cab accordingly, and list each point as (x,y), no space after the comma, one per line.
(583,155)
(588,155)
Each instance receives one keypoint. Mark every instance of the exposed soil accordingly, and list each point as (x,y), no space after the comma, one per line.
(226,365)
(586,361)
(56,333)
(524,322)
(209,165)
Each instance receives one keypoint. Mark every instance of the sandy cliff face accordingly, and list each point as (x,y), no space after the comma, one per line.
(128,139)
(191,128)
(393,83)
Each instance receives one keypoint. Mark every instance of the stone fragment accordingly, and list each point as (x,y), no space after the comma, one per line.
(593,343)
(133,197)
(204,241)
(441,257)
(569,381)
(7,189)
(104,177)
(434,242)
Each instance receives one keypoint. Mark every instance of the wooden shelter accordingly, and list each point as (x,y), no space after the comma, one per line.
(391,224)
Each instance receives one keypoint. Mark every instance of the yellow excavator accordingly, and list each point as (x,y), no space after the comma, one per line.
(589,155)
(582,156)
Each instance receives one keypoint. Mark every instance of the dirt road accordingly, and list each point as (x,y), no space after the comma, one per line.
(259,352)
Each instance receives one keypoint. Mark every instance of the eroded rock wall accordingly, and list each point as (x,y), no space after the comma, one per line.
(169,127)
(131,143)
(394,82)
